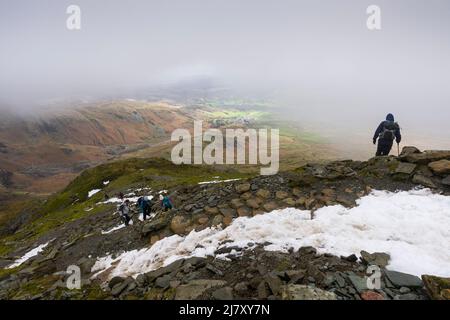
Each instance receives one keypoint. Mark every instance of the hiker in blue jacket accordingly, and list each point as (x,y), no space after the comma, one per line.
(386,132)
(145,205)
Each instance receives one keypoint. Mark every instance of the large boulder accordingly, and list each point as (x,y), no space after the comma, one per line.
(423,180)
(253,203)
(440,167)
(120,287)
(405,168)
(270,206)
(114,281)
(203,220)
(179,224)
(380,259)
(244,187)
(400,279)
(290,202)
(155,225)
(173,267)
(211,210)
(274,283)
(244,212)
(281,195)
(227,220)
(408,150)
(228,212)
(427,156)
(263,193)
(217,220)
(236,203)
(163,281)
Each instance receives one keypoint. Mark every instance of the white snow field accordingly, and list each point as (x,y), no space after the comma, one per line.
(28,255)
(413,227)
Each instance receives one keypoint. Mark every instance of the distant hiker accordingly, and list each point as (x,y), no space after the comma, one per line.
(386,132)
(166,203)
(124,211)
(145,205)
(106,197)
(120,195)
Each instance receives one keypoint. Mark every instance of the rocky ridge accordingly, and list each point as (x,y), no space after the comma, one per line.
(255,274)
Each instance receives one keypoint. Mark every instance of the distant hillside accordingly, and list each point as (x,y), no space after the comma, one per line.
(43,153)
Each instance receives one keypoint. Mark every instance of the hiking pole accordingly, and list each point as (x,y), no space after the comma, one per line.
(398,149)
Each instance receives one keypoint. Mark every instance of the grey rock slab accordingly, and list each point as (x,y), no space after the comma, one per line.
(163,282)
(195,288)
(225,293)
(406,168)
(424,181)
(360,283)
(400,279)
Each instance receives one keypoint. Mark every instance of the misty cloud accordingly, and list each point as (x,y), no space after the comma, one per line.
(315,57)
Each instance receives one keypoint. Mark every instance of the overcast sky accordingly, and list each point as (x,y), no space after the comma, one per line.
(316,56)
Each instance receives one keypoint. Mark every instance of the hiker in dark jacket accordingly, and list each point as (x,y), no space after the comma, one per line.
(386,132)
(145,205)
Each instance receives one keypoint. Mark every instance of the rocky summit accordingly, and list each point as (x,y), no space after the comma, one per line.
(37,259)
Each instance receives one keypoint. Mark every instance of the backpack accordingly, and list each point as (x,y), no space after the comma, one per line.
(389,129)
(123,209)
(166,201)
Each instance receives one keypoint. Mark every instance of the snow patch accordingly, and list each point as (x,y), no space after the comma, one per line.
(142,189)
(149,217)
(118,200)
(92,192)
(28,255)
(218,181)
(114,229)
(413,227)
(105,183)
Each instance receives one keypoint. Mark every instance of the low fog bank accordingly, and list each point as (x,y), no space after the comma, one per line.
(316,60)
